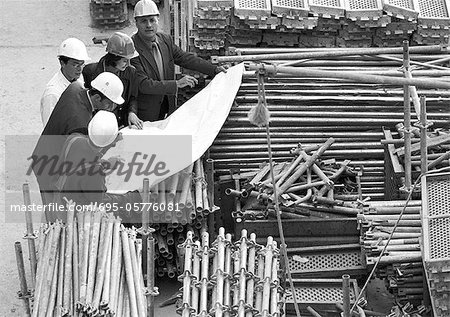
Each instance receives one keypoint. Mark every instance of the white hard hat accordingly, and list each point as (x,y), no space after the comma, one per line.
(144,8)
(122,45)
(103,128)
(110,85)
(73,48)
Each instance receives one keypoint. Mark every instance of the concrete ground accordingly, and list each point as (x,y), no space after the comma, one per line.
(30,33)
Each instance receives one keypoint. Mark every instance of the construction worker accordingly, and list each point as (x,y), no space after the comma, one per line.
(72,55)
(83,180)
(156,62)
(72,113)
(120,49)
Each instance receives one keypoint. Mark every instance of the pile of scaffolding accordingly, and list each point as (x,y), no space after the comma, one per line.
(109,13)
(401,265)
(231,279)
(183,203)
(92,266)
(318,97)
(210,26)
(308,187)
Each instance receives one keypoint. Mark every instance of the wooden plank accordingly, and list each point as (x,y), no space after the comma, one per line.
(398,168)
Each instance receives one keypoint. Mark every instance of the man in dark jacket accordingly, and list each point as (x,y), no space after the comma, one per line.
(83,177)
(72,114)
(156,62)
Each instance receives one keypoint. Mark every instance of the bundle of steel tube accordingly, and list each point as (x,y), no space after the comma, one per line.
(377,222)
(308,187)
(244,277)
(90,266)
(311,109)
(181,203)
(401,265)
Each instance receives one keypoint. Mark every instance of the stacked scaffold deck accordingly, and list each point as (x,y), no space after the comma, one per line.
(109,13)
(314,23)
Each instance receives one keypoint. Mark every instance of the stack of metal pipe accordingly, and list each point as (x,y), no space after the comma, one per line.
(230,279)
(401,265)
(309,110)
(308,187)
(89,267)
(181,204)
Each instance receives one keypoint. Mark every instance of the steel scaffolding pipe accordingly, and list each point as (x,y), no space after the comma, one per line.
(186,277)
(279,112)
(30,233)
(344,122)
(22,278)
(364,78)
(267,50)
(326,53)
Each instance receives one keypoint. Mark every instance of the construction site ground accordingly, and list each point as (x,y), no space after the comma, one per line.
(31,31)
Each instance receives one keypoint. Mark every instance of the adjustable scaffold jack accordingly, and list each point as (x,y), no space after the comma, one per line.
(260,116)
(148,252)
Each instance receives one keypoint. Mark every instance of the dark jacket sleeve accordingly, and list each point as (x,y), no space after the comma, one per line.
(151,86)
(134,89)
(189,60)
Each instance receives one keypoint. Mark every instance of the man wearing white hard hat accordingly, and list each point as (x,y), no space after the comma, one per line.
(156,62)
(72,55)
(120,49)
(84,180)
(72,113)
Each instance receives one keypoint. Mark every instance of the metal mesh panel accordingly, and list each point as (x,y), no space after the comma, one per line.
(436,217)
(401,3)
(433,9)
(320,262)
(439,230)
(252,4)
(438,196)
(329,3)
(289,3)
(318,294)
(363,4)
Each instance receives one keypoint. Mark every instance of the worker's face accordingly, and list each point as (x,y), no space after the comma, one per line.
(72,69)
(122,63)
(147,27)
(103,104)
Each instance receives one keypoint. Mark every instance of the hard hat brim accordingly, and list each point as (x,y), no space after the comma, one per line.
(147,15)
(119,100)
(135,54)
(85,58)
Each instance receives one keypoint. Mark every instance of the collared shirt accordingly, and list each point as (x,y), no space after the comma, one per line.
(52,92)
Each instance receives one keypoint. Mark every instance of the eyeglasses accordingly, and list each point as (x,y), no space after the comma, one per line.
(76,64)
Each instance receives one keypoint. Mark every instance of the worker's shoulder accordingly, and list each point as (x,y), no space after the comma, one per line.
(72,99)
(129,72)
(164,36)
(56,85)
(75,88)
(90,68)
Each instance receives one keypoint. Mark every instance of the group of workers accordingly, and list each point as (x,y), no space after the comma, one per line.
(135,81)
